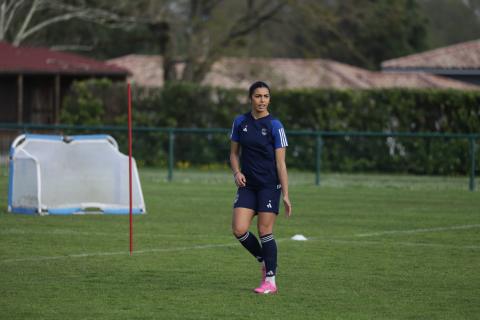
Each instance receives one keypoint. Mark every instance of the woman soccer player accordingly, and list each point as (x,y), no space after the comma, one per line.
(260,173)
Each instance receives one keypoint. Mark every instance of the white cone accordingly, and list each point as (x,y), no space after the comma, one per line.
(299,237)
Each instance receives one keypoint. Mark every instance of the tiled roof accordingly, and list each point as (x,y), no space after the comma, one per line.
(146,70)
(288,74)
(318,73)
(43,60)
(465,56)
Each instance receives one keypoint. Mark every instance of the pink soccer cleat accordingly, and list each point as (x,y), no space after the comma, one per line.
(266,288)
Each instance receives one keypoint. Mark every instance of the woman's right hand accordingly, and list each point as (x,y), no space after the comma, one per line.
(240,179)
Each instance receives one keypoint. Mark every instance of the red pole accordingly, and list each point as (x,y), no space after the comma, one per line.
(130,164)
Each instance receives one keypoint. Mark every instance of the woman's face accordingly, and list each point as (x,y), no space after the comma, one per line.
(260,100)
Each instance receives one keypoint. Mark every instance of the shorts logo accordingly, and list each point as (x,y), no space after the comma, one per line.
(264,131)
(236,198)
(245,128)
(269,205)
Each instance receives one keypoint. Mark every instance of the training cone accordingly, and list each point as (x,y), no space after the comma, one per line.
(299,237)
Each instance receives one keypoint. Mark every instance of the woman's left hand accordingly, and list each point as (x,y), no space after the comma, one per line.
(240,179)
(288,206)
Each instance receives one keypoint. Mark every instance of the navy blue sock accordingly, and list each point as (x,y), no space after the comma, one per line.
(269,252)
(250,242)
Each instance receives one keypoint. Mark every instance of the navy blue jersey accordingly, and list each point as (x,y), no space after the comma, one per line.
(258,140)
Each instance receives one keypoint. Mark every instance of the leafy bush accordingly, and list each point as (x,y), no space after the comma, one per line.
(184,105)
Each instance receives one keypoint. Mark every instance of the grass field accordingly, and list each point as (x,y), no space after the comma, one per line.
(381,247)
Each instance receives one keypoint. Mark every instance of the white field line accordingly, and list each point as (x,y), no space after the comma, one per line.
(224,245)
(70,232)
(122,234)
(118,253)
(413,231)
(400,243)
(56,232)
(126,253)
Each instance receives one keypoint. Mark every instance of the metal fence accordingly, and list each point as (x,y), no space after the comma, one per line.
(177,148)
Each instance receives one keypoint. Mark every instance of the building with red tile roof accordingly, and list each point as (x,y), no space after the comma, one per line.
(33,81)
(147,70)
(460,62)
(33,60)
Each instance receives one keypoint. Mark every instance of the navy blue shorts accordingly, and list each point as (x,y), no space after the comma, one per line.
(259,200)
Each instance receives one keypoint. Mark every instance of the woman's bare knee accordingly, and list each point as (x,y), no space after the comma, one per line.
(241,221)
(264,231)
(265,223)
(238,232)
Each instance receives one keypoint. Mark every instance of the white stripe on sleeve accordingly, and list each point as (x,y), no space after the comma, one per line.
(233,127)
(283,137)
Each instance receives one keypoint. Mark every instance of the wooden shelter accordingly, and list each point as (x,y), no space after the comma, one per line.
(33,81)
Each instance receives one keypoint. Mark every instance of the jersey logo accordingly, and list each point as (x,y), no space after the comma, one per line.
(245,128)
(269,205)
(264,131)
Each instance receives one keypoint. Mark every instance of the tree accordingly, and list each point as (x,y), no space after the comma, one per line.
(201,32)
(451,21)
(196,33)
(358,32)
(193,32)
(20,19)
(474,5)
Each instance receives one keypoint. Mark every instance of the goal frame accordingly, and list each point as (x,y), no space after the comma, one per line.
(19,152)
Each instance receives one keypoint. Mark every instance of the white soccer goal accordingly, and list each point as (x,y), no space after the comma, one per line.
(71,175)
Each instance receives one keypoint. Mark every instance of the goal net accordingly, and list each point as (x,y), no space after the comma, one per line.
(52,174)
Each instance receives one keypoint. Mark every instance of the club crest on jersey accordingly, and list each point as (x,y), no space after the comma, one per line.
(245,128)
(264,131)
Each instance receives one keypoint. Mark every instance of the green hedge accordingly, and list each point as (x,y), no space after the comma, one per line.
(184,105)
(394,110)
